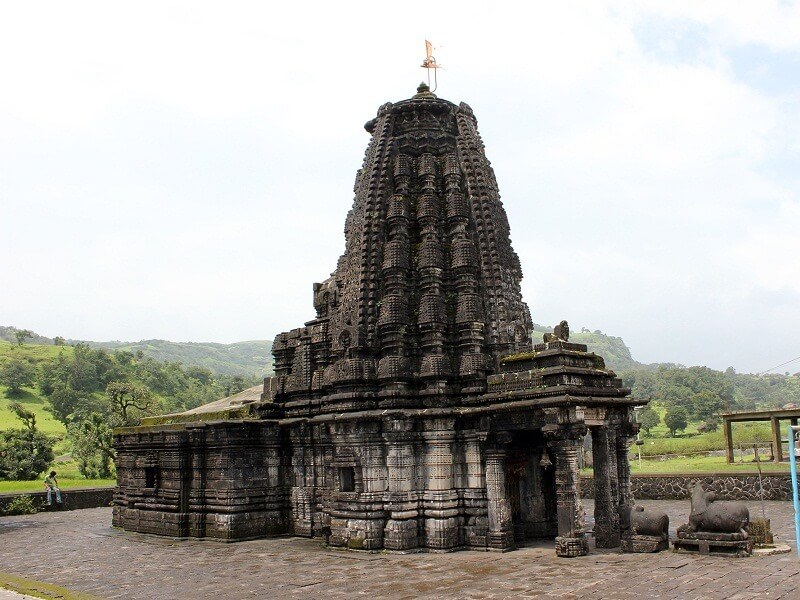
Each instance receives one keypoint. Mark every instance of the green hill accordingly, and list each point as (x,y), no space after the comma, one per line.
(31,398)
(8,334)
(248,359)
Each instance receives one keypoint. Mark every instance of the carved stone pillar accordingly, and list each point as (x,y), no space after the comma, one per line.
(302,490)
(566,441)
(473,481)
(501,529)
(625,436)
(473,458)
(606,516)
(442,521)
(402,527)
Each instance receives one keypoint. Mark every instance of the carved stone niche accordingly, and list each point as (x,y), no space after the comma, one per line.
(150,472)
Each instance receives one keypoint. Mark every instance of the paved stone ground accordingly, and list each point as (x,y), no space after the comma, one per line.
(80,551)
(9,595)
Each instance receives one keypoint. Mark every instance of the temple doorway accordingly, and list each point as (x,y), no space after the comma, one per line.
(530,485)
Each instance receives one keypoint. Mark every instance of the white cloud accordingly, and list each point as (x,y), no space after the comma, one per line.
(773,23)
(183,169)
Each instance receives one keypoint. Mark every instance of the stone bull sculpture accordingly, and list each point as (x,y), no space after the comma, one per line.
(715,526)
(648,522)
(716,517)
(649,531)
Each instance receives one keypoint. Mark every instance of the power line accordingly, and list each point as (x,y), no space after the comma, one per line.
(780,365)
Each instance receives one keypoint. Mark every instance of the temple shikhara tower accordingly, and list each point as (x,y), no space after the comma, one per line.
(413,411)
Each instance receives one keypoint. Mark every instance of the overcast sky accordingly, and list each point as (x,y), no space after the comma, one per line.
(183,170)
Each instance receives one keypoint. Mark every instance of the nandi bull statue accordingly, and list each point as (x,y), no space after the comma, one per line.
(715,526)
(649,531)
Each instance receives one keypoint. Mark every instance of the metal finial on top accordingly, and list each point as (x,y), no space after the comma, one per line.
(430,63)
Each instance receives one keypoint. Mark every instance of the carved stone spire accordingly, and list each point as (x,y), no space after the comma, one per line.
(426,298)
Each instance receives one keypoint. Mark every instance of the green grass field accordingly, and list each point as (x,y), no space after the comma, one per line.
(704,464)
(657,441)
(35,403)
(68,479)
(65,483)
(30,398)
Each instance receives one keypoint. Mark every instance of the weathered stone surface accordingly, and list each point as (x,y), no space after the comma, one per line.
(727,486)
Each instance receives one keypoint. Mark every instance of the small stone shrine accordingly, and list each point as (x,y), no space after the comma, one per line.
(412,412)
(719,527)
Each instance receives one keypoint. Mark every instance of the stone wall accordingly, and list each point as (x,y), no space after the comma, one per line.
(727,486)
(72,499)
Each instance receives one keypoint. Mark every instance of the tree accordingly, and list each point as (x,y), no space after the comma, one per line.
(59,341)
(676,419)
(707,404)
(64,402)
(234,385)
(83,370)
(92,446)
(24,415)
(16,374)
(54,374)
(128,399)
(648,418)
(22,334)
(24,453)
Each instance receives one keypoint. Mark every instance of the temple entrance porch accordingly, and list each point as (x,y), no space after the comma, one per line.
(533,481)
(530,484)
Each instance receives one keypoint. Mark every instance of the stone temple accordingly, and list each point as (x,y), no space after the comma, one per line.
(412,412)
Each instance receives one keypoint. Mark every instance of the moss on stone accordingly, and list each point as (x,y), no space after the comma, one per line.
(241,412)
(40,589)
(355,543)
(518,357)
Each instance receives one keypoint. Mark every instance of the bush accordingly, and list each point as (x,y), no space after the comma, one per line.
(709,426)
(24,454)
(21,505)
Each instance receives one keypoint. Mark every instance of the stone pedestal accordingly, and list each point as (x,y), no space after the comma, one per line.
(645,543)
(736,544)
